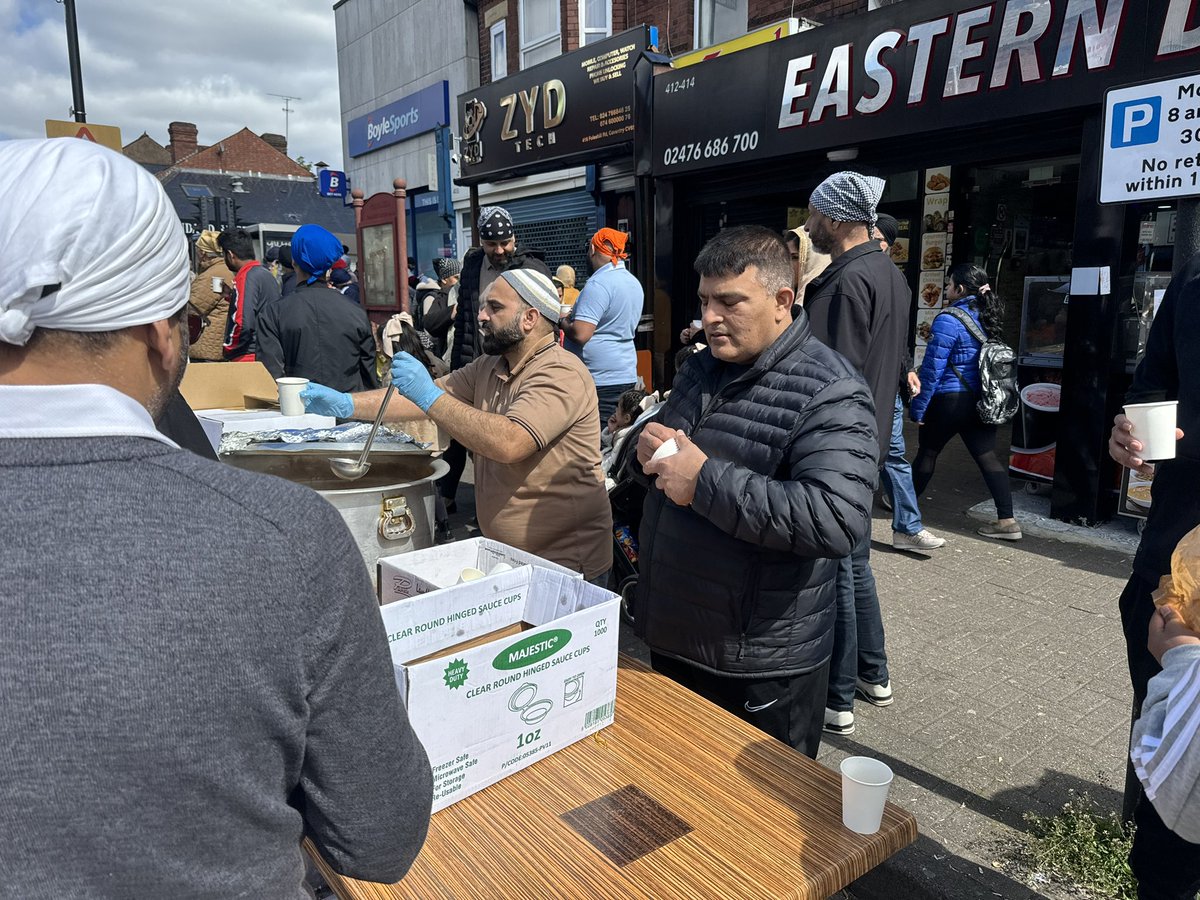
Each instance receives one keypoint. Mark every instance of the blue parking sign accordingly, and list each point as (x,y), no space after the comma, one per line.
(331,183)
(1135,122)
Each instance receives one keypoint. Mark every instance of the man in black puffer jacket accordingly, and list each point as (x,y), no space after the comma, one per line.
(771,484)
(480,268)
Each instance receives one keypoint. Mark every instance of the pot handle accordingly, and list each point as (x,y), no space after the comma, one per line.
(396,520)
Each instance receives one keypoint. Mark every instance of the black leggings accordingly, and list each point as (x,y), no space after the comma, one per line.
(951,414)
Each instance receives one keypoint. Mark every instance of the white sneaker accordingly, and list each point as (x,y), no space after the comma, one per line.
(875,694)
(839,722)
(922,540)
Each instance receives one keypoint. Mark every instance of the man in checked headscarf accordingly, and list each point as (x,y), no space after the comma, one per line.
(527,410)
(481,266)
(213,708)
(859,307)
(602,325)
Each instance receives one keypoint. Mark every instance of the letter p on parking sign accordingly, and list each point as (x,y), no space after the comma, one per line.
(1135,122)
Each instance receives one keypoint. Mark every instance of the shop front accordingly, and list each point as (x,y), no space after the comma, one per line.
(985,121)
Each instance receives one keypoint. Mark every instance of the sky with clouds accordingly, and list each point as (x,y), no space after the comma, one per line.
(150,62)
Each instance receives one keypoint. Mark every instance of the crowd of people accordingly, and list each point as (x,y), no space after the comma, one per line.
(759,467)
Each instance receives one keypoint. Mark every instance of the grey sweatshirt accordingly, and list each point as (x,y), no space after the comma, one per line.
(1166,742)
(193,675)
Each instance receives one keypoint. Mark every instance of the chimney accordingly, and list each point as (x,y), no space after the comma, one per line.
(182,140)
(278,141)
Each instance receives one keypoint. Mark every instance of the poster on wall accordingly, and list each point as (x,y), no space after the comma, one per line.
(933,252)
(936,210)
(929,291)
(937,181)
(899,249)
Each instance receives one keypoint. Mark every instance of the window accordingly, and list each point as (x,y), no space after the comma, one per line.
(540,31)
(196,191)
(499,51)
(719,20)
(595,20)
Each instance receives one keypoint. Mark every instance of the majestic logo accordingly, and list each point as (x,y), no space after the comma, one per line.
(474,114)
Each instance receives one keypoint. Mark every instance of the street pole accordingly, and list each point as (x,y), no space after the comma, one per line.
(73,58)
(1187,234)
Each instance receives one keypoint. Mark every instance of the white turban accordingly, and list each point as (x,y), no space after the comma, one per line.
(97,224)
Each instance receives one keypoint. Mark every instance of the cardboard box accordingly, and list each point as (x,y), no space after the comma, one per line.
(422,571)
(486,710)
(216,385)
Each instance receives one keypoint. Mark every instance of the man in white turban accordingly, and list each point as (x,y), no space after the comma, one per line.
(175,723)
(859,307)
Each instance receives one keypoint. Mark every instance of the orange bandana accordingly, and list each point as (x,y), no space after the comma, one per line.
(611,243)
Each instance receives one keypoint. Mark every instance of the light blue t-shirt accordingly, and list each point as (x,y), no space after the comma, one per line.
(612,301)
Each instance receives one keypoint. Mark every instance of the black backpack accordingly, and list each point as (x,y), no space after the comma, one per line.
(998,395)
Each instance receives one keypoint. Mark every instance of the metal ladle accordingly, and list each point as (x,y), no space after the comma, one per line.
(354,469)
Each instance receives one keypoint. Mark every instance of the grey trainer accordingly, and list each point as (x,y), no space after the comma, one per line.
(922,540)
(999,532)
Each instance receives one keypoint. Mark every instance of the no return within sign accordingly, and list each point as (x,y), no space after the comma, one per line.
(108,135)
(1151,145)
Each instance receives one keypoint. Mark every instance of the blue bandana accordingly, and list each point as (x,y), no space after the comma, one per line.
(314,249)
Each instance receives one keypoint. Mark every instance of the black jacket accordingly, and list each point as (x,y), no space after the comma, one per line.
(318,334)
(741,583)
(254,289)
(466,320)
(437,320)
(859,306)
(1170,370)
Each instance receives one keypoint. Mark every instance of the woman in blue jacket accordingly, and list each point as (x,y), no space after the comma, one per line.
(950,389)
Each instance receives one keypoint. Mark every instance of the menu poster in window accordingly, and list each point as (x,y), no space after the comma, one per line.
(925,319)
(898,251)
(937,207)
(933,253)
(937,181)
(929,292)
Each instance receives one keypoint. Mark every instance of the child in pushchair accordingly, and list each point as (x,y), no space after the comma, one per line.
(625,492)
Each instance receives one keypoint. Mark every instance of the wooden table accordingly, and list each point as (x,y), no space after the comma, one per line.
(680,798)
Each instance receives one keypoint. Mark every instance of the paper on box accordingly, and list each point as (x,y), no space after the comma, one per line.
(485,712)
(421,571)
(256,420)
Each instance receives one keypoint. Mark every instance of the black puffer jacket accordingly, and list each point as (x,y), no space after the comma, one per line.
(742,582)
(466,318)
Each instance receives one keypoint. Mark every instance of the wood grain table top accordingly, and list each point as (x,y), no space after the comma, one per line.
(677,798)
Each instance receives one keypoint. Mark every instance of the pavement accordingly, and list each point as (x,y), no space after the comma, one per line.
(1008,666)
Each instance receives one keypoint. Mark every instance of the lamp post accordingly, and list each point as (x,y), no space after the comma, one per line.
(77,108)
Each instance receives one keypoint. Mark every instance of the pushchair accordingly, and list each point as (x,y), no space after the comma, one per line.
(626,494)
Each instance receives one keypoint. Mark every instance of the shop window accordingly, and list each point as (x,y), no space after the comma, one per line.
(595,20)
(719,20)
(540,31)
(499,50)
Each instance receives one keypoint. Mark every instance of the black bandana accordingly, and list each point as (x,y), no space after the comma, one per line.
(495,224)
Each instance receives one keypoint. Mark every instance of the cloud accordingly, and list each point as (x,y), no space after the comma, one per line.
(146,63)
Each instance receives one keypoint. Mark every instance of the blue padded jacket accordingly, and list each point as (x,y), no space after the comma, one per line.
(949,342)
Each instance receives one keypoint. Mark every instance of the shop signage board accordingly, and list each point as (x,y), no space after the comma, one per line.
(1151,145)
(574,108)
(774,32)
(331,183)
(425,110)
(912,68)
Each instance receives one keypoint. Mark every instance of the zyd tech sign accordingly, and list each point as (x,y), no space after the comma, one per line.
(915,67)
(579,104)
(407,117)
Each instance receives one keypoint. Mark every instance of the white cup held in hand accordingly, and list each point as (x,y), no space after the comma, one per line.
(290,403)
(697,324)
(216,284)
(865,784)
(1154,427)
(667,448)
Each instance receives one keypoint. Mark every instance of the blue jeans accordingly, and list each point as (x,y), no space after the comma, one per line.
(897,479)
(607,396)
(858,650)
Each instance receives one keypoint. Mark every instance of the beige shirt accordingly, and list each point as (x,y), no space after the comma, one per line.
(553,503)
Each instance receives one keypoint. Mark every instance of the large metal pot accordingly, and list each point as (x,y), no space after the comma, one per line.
(389,510)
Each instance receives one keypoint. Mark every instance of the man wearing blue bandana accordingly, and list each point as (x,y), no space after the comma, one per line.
(316,333)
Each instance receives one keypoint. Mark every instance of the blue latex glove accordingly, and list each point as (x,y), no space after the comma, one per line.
(413,380)
(324,401)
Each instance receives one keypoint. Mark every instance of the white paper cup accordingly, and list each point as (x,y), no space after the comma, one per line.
(216,284)
(290,403)
(698,324)
(1154,427)
(865,784)
(564,310)
(469,574)
(667,448)
(500,567)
